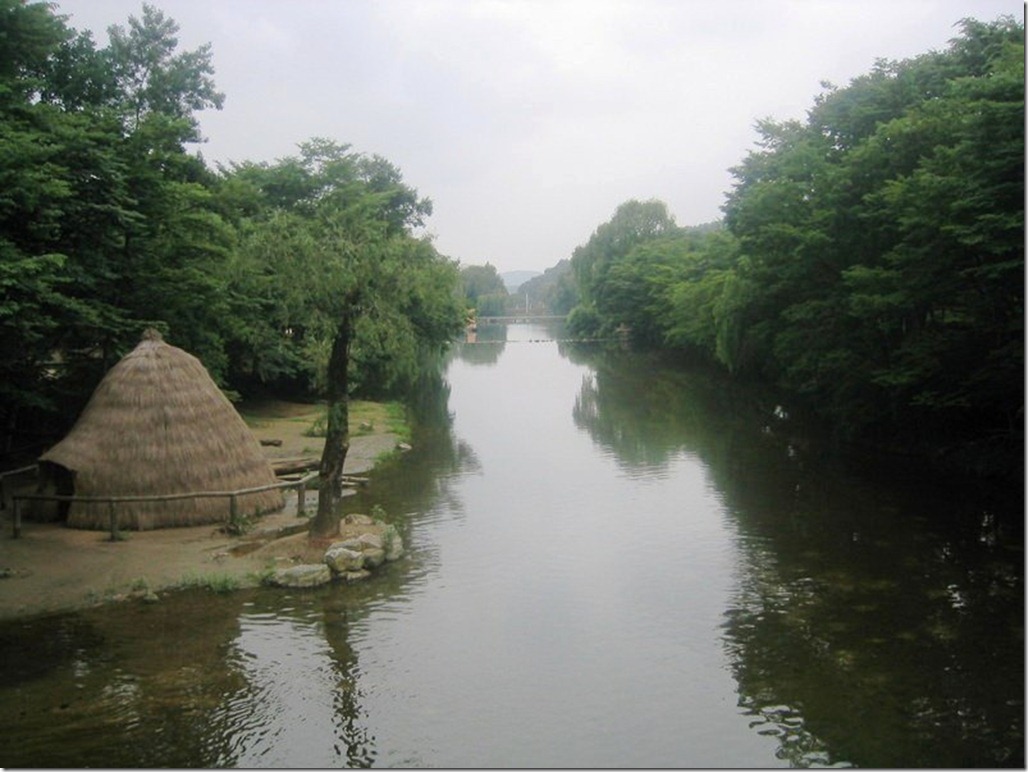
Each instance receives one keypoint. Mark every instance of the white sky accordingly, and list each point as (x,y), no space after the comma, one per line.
(528,121)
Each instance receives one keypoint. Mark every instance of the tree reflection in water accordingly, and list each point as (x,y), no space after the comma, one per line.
(867,620)
(878,619)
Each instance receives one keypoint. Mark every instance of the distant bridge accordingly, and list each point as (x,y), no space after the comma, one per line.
(517,319)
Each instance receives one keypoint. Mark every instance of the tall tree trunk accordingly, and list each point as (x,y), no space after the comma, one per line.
(337,435)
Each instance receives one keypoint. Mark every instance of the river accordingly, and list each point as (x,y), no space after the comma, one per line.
(611,563)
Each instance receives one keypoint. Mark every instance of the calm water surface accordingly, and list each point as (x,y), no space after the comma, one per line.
(610,564)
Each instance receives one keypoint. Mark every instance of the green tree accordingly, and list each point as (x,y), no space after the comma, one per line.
(107,224)
(154,80)
(484,289)
(55,163)
(882,246)
(633,223)
(554,291)
(873,262)
(355,287)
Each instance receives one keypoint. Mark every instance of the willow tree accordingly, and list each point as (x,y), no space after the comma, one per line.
(335,230)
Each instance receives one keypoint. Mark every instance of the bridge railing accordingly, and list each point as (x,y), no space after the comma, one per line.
(517,318)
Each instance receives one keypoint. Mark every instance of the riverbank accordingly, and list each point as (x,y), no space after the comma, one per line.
(52,568)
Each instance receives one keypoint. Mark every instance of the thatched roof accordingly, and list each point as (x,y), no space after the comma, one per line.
(158,424)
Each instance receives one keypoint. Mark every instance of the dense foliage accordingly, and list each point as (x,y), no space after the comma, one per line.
(871,262)
(110,224)
(484,290)
(553,292)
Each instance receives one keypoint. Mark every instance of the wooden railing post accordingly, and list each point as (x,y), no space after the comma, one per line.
(233,496)
(114,519)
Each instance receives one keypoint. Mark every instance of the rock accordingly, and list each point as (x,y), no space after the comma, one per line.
(403,447)
(371,544)
(358,520)
(354,544)
(305,575)
(354,576)
(370,541)
(343,559)
(373,558)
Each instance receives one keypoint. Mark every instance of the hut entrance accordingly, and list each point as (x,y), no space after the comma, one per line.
(54,480)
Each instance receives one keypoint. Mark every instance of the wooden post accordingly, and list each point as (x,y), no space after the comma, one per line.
(301,498)
(233,517)
(17,520)
(114,520)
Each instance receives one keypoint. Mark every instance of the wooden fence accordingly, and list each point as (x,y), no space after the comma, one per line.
(233,496)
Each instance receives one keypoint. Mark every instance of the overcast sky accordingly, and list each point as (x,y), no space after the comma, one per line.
(528,122)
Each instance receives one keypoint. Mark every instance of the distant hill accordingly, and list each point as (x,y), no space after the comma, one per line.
(554,291)
(512,280)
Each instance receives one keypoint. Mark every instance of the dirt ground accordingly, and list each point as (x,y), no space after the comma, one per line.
(53,568)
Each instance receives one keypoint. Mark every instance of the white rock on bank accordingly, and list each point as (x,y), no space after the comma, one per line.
(342,558)
(306,575)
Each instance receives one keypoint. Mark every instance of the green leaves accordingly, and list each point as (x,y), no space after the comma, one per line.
(873,263)
(107,226)
(151,78)
(331,228)
(634,222)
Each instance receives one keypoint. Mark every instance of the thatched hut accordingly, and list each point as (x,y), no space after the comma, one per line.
(158,424)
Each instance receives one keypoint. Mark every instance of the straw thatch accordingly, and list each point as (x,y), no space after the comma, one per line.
(158,424)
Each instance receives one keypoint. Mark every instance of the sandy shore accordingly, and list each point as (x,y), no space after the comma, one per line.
(53,568)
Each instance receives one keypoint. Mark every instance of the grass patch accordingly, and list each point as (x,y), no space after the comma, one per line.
(318,427)
(286,420)
(219,583)
(396,420)
(263,576)
(366,418)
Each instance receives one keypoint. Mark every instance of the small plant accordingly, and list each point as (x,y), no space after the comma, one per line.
(241,526)
(397,418)
(263,576)
(377,512)
(386,455)
(318,428)
(218,583)
(388,537)
(141,585)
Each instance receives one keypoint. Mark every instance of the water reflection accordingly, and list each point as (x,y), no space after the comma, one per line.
(303,705)
(486,347)
(136,686)
(878,624)
(639,567)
